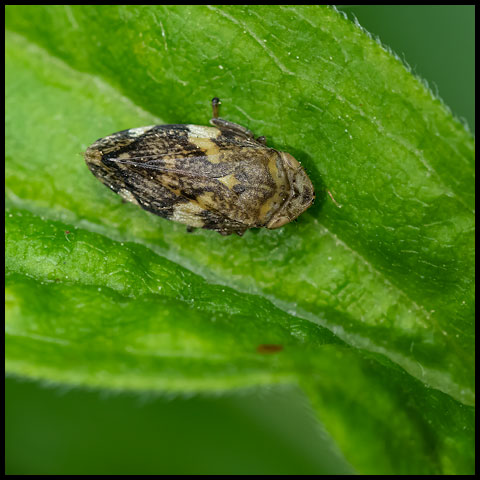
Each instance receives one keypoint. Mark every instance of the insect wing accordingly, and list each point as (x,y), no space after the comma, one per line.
(183,172)
(219,175)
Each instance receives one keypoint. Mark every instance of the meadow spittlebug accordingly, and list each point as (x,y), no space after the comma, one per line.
(220,177)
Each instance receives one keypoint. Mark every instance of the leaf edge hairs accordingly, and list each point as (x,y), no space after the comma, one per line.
(220,178)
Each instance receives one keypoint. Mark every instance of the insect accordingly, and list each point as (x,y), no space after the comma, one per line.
(219,178)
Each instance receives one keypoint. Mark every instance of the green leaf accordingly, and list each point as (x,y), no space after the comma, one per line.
(370,294)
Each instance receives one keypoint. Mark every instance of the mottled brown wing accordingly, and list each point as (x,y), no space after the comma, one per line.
(224,174)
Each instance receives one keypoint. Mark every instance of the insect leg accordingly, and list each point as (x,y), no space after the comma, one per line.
(232,127)
(225,124)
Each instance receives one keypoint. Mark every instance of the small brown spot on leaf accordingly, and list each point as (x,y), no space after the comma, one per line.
(269,348)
